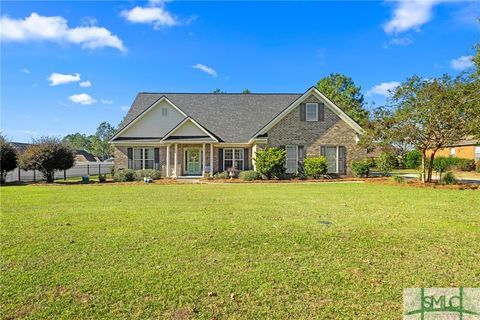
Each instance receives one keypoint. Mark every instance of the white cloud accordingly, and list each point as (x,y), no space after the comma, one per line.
(462,63)
(154,14)
(410,14)
(82,98)
(106,101)
(401,41)
(124,108)
(85,84)
(383,89)
(58,78)
(25,70)
(41,28)
(205,69)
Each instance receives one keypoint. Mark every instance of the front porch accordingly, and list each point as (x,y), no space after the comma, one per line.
(189,160)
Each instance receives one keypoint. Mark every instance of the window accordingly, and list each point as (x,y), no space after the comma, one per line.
(312,111)
(452,152)
(164,112)
(233,158)
(291,161)
(331,157)
(142,158)
(477,153)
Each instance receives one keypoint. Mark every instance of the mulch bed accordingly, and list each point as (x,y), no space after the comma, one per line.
(418,184)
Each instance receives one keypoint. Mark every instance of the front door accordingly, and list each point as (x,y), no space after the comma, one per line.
(193,162)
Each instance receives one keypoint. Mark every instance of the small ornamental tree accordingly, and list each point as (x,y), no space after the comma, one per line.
(8,158)
(271,162)
(315,167)
(46,155)
(386,162)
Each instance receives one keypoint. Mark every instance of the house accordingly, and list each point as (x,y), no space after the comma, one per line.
(468,148)
(79,154)
(190,134)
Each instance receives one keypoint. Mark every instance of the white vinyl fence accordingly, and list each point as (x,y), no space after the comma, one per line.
(80,169)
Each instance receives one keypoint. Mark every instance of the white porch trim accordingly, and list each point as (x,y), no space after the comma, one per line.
(211,159)
(203,160)
(168,161)
(175,158)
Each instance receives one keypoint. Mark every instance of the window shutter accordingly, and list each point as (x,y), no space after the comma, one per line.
(156,158)
(130,158)
(301,154)
(303,112)
(246,164)
(342,160)
(322,151)
(220,160)
(321,112)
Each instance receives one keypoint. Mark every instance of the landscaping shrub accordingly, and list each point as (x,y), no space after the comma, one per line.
(448,178)
(361,168)
(124,175)
(399,179)
(250,175)
(221,175)
(413,159)
(8,158)
(102,178)
(464,164)
(386,162)
(148,173)
(370,162)
(447,163)
(47,155)
(271,162)
(315,167)
(477,166)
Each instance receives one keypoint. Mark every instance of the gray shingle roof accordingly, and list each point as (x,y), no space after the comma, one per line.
(230,117)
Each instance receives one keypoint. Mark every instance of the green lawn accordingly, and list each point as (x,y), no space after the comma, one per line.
(231,250)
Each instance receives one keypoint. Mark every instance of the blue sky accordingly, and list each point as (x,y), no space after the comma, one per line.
(67,66)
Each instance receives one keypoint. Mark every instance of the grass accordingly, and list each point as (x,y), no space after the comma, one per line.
(231,250)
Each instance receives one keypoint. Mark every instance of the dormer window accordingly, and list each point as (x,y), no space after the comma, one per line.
(312,111)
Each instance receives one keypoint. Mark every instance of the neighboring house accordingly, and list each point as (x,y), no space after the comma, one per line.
(189,134)
(468,148)
(80,154)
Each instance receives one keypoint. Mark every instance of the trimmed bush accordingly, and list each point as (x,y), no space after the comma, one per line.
(148,173)
(449,178)
(361,168)
(386,162)
(250,175)
(315,167)
(370,162)
(221,175)
(271,162)
(399,179)
(413,159)
(102,178)
(124,175)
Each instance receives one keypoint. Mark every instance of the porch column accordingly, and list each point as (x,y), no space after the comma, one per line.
(175,158)
(211,159)
(203,160)
(168,161)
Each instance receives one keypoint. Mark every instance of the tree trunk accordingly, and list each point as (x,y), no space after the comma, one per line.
(430,167)
(422,174)
(49,176)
